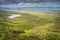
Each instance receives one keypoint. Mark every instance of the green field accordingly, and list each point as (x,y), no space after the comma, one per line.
(32,25)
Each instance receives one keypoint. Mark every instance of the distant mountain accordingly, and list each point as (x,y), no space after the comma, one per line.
(25,1)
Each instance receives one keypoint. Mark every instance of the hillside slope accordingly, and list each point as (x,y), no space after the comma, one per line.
(31,25)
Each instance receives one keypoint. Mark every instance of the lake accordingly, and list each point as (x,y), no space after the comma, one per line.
(31,8)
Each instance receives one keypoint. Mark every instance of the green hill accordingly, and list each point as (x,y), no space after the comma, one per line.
(31,25)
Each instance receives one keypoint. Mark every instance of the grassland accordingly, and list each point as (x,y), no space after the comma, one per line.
(32,25)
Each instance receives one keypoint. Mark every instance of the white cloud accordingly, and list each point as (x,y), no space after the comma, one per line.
(22,4)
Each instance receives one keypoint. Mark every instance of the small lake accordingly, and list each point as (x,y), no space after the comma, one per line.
(12,16)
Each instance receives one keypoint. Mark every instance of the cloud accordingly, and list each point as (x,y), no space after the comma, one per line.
(41,4)
(25,1)
(32,6)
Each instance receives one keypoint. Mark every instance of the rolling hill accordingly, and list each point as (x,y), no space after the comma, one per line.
(31,25)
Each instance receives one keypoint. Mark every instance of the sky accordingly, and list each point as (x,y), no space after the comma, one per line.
(25,1)
(29,3)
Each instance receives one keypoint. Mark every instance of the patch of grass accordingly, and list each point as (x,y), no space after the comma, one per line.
(32,25)
(53,36)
